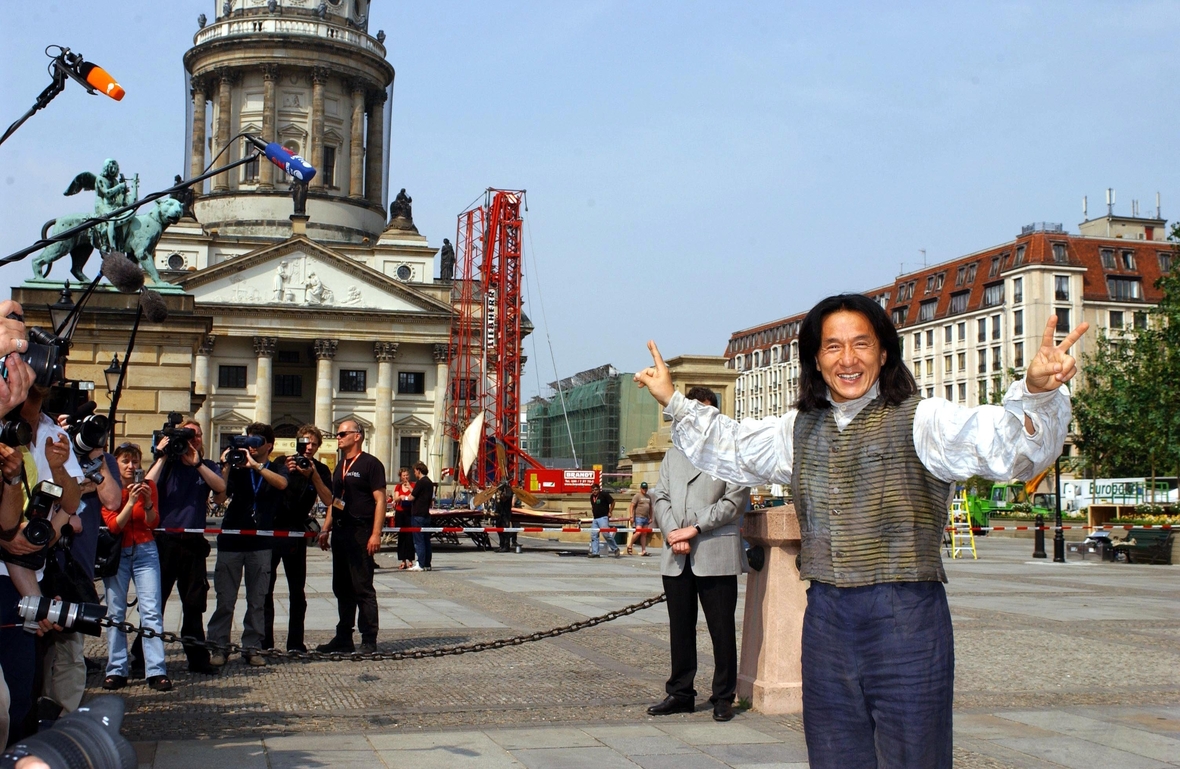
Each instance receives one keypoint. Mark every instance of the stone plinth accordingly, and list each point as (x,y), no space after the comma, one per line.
(770,673)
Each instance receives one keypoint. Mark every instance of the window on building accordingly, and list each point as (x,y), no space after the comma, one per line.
(939,279)
(250,170)
(1018,290)
(1165,263)
(1063,320)
(1124,288)
(982,360)
(995,327)
(1018,322)
(1059,254)
(993,295)
(411,382)
(950,392)
(1128,260)
(1018,355)
(288,386)
(961,276)
(963,331)
(1107,255)
(962,361)
(947,364)
(233,377)
(929,392)
(410,449)
(930,338)
(982,391)
(994,270)
(929,284)
(962,392)
(329,169)
(948,335)
(959,302)
(1116,318)
(997,359)
(1061,288)
(1140,320)
(1019,260)
(465,389)
(926,310)
(353,380)
(917,341)
(971,268)
(898,315)
(982,329)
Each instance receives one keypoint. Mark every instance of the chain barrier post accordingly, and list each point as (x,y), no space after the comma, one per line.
(1039,538)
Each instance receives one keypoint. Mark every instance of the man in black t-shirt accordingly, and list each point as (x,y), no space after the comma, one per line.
(308,481)
(602,505)
(353,532)
(256,491)
(420,516)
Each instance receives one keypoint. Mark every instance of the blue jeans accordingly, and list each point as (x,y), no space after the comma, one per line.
(878,676)
(601,523)
(422,540)
(140,563)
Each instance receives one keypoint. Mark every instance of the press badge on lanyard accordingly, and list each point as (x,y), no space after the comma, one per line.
(338,503)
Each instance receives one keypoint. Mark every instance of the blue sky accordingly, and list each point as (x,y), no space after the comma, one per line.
(693,168)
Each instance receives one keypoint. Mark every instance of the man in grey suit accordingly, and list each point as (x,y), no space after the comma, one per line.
(700,517)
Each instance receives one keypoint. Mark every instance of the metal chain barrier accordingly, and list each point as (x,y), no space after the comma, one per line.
(417,654)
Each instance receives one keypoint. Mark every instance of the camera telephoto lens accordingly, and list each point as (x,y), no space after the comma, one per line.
(89,736)
(15,432)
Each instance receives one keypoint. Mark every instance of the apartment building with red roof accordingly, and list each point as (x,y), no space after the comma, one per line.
(967,324)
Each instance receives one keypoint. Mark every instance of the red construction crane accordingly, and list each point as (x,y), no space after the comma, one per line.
(485,349)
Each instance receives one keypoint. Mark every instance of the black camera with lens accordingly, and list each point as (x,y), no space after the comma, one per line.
(46,355)
(89,736)
(87,430)
(70,617)
(179,438)
(15,431)
(39,531)
(238,446)
(301,459)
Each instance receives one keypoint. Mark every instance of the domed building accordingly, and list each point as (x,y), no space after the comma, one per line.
(322,306)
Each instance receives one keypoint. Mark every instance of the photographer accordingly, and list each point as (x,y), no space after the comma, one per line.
(255,488)
(185,481)
(47,458)
(310,479)
(134,519)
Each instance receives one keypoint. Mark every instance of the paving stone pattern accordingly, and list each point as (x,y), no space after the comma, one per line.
(1074,665)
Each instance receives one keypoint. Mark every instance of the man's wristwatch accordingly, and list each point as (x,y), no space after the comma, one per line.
(13,481)
(698,528)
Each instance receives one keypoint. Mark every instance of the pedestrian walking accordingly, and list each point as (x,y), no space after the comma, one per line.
(602,504)
(403,498)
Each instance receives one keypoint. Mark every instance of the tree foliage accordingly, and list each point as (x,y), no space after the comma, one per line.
(1127,408)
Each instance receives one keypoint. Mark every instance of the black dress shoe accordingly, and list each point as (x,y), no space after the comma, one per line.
(672,705)
(342,645)
(723,711)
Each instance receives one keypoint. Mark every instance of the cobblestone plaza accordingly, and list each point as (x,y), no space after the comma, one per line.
(1074,665)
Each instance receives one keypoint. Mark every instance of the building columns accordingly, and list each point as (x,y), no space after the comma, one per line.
(356,144)
(375,148)
(325,351)
(319,76)
(224,118)
(266,170)
(382,446)
(204,415)
(197,160)
(264,348)
(437,422)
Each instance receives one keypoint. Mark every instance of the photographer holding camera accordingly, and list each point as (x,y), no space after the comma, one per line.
(50,476)
(134,520)
(310,479)
(256,488)
(185,480)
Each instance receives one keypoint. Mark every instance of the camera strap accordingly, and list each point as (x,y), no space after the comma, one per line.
(25,458)
(257,485)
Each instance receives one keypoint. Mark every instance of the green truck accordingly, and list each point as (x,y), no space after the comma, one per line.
(1009,498)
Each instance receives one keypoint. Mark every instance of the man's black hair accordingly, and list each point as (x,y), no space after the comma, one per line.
(704,395)
(264,430)
(896,382)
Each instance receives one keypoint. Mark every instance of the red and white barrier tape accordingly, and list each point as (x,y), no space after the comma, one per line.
(414,530)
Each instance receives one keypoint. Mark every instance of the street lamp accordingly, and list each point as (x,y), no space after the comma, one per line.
(113,374)
(60,312)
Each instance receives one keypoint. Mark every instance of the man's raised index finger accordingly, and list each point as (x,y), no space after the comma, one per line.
(1074,336)
(656,358)
(1050,331)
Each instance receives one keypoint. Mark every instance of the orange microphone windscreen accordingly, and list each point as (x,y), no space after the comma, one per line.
(101,80)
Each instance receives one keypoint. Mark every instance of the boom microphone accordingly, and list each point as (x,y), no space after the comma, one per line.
(123,273)
(284,159)
(153,306)
(101,80)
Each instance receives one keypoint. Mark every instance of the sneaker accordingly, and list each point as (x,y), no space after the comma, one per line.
(616,554)
(217,659)
(415,567)
(255,660)
(342,645)
(594,555)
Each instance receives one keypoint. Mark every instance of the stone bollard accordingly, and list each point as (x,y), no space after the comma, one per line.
(770,673)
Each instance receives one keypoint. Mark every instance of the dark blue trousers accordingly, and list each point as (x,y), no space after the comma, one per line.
(878,676)
(18,652)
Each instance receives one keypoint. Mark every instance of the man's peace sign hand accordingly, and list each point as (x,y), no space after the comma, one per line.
(656,378)
(1053,366)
